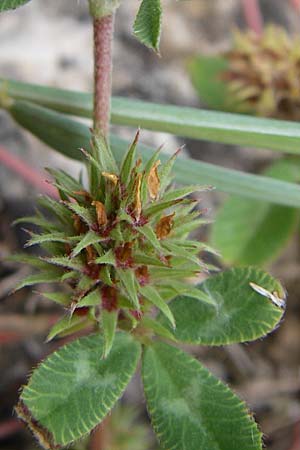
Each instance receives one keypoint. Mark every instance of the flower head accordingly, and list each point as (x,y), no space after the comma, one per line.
(116,248)
(264,71)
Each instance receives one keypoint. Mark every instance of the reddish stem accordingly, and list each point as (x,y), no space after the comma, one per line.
(32,177)
(100,437)
(296,4)
(253,15)
(9,427)
(296,440)
(103,34)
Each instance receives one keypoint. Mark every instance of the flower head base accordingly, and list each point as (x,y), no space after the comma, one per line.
(116,248)
(264,71)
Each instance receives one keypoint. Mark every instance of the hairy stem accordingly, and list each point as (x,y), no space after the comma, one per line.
(253,15)
(103,33)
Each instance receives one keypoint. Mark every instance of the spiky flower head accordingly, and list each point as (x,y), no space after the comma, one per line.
(119,249)
(264,73)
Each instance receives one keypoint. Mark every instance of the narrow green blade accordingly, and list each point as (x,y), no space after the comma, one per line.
(66,136)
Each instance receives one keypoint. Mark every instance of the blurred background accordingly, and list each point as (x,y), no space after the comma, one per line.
(51,43)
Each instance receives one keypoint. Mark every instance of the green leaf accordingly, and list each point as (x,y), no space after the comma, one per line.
(109,321)
(239,313)
(74,388)
(5,5)
(190,408)
(252,232)
(66,135)
(151,294)
(238,129)
(147,25)
(206,75)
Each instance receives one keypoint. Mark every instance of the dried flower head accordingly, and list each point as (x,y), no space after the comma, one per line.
(116,248)
(264,73)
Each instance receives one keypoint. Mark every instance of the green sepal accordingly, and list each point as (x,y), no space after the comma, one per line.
(58,297)
(89,238)
(68,325)
(57,209)
(129,161)
(37,239)
(91,299)
(84,213)
(104,155)
(65,262)
(107,258)
(66,184)
(152,295)
(147,231)
(38,220)
(157,328)
(109,323)
(51,276)
(128,280)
